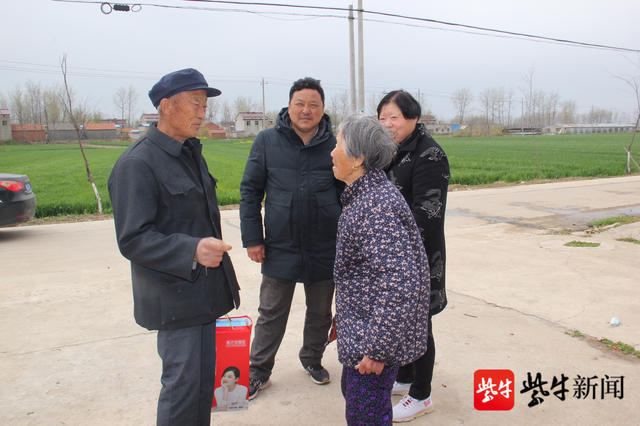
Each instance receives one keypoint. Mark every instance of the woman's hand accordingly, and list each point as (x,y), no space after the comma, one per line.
(367,366)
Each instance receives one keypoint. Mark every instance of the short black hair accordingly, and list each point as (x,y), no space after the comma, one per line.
(306,83)
(408,105)
(236,371)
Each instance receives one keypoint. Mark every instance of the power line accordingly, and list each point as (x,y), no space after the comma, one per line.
(457,26)
(435,21)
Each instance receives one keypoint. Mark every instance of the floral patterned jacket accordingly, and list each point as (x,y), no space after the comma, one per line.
(381,274)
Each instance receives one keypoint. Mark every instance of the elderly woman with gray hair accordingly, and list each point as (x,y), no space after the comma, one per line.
(381,274)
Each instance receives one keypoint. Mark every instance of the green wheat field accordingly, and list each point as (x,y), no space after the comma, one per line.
(59,179)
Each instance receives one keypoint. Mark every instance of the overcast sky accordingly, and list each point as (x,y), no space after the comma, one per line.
(235,50)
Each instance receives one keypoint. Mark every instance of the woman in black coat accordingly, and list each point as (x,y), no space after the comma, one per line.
(420,170)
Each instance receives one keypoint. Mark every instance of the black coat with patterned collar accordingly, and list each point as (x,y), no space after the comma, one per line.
(420,171)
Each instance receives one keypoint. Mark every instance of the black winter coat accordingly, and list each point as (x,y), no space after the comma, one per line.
(302,201)
(161,212)
(420,170)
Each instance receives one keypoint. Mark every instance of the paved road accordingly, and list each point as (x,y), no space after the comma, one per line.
(70,352)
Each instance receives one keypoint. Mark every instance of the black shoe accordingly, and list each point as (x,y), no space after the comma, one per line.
(256,385)
(319,375)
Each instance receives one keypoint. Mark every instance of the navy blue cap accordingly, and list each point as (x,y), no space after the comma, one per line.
(180,81)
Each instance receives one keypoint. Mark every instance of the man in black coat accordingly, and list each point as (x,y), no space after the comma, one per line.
(291,164)
(168,225)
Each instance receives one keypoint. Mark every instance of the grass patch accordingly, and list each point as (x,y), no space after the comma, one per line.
(563,231)
(622,347)
(614,346)
(616,220)
(581,244)
(629,240)
(574,333)
(59,179)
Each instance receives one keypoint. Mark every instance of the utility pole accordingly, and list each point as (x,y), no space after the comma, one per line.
(264,111)
(522,117)
(360,61)
(352,61)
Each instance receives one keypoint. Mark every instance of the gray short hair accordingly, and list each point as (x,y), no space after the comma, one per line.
(365,137)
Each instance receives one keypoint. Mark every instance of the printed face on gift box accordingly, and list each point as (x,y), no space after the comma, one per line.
(229,378)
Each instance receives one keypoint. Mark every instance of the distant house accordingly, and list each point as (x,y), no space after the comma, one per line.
(5,125)
(117,121)
(100,131)
(523,131)
(248,124)
(209,130)
(435,127)
(579,129)
(28,132)
(439,128)
(147,119)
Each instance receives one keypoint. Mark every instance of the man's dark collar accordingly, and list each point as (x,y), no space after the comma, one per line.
(165,142)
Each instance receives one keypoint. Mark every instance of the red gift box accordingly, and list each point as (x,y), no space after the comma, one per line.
(233,336)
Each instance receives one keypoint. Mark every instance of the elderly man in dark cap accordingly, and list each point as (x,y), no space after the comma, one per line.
(168,225)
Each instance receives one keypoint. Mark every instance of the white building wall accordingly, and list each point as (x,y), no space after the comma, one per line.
(5,128)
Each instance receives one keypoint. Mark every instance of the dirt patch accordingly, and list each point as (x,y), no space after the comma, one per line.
(67,219)
(103,146)
(90,217)
(458,187)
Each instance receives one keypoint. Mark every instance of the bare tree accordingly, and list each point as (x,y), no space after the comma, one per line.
(567,112)
(244,104)
(598,115)
(461,99)
(419,96)
(213,107)
(339,107)
(33,99)
(508,99)
(18,106)
(120,101)
(124,100)
(131,103)
(372,103)
(227,113)
(68,106)
(550,109)
(52,108)
(487,106)
(528,113)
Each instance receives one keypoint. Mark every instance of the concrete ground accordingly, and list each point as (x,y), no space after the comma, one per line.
(70,352)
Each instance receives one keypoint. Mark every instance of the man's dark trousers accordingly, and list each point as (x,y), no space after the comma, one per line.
(276,296)
(188,375)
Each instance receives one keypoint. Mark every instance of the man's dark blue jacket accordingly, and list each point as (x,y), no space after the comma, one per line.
(302,201)
(161,212)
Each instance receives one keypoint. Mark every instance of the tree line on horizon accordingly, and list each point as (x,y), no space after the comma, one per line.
(485,113)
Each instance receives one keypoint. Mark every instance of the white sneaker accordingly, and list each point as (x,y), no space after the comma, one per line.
(410,408)
(400,388)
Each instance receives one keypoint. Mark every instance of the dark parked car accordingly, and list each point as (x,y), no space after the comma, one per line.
(17,200)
